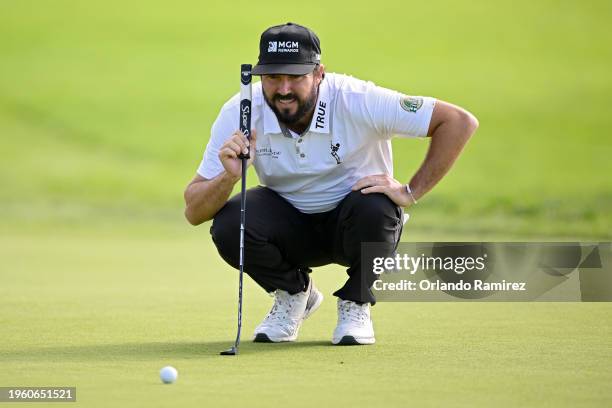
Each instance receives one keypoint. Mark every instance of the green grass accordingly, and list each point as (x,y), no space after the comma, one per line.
(104,314)
(108,106)
(105,109)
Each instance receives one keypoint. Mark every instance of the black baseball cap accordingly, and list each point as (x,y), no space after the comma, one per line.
(289,49)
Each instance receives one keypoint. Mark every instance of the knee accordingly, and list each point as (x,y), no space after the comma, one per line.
(373,217)
(375,207)
(225,230)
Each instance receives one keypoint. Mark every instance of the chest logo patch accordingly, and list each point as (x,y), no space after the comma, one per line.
(267,152)
(411,103)
(334,152)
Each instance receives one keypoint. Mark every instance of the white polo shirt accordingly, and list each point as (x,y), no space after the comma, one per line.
(349,138)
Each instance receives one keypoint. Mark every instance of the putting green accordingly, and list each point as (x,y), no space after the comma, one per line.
(104,312)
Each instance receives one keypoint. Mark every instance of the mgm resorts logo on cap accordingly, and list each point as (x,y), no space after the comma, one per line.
(289,49)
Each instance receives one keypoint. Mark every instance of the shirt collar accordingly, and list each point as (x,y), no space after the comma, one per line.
(320,119)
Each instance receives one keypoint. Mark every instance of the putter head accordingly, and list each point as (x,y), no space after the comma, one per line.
(230,352)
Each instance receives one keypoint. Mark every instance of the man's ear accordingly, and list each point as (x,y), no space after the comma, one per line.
(320,72)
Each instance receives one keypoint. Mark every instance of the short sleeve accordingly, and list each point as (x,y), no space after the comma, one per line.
(394,113)
(221,130)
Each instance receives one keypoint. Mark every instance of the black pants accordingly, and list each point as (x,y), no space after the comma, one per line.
(281,244)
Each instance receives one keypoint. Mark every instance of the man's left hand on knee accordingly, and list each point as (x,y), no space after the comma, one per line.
(385,184)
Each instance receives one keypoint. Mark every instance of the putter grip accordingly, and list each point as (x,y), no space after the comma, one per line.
(245,103)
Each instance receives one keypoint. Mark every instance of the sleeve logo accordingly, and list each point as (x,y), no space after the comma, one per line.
(411,103)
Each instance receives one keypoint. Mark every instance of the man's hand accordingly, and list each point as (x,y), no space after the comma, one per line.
(383,183)
(205,197)
(232,148)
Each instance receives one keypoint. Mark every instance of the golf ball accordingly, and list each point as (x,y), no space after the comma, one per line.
(168,374)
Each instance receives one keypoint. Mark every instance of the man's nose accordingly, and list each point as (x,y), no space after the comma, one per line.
(284,86)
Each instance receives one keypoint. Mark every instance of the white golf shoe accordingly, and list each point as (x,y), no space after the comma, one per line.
(284,320)
(354,324)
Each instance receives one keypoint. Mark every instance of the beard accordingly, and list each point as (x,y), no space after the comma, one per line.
(304,106)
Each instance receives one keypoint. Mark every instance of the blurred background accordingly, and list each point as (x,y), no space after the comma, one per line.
(106,107)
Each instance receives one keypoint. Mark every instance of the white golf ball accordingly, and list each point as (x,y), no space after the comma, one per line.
(168,374)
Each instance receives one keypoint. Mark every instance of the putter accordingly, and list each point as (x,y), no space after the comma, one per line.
(245,128)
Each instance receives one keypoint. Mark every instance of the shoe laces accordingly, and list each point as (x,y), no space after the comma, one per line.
(353,312)
(283,305)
